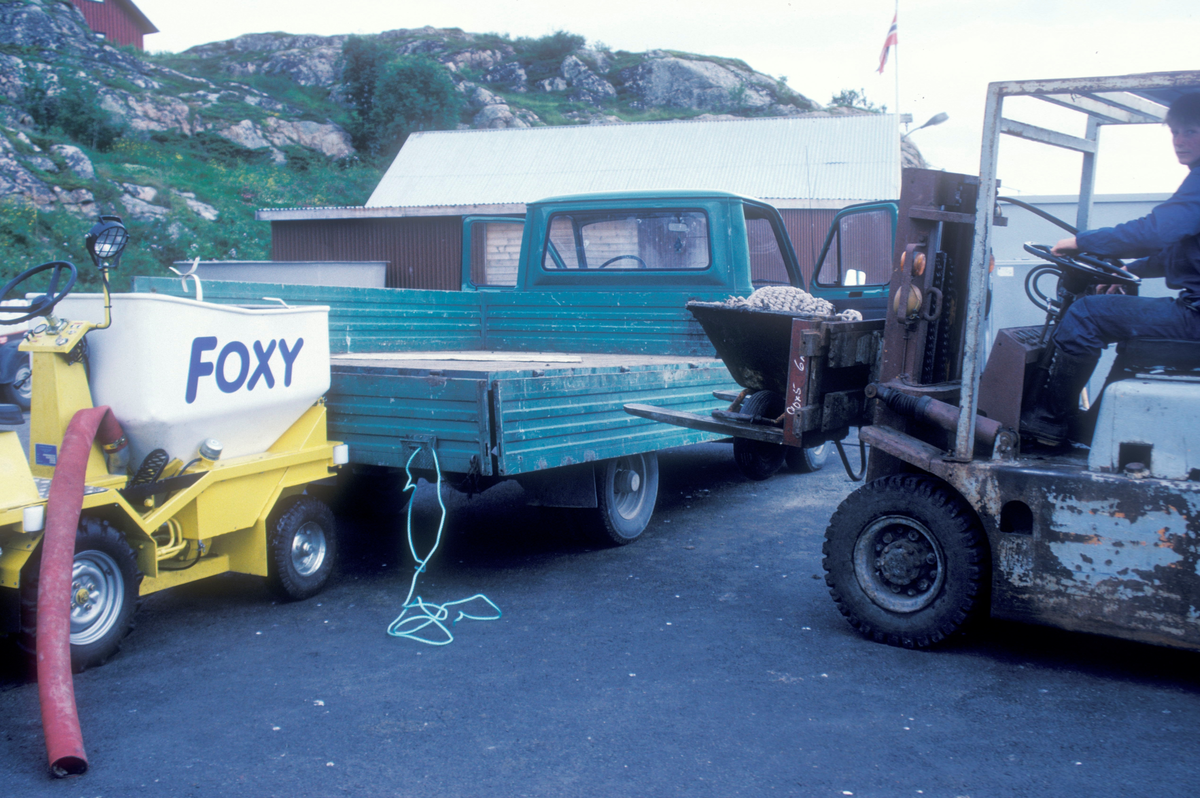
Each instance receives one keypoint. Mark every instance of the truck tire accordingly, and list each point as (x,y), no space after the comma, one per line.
(906,561)
(759,460)
(806,461)
(104,595)
(626,491)
(301,547)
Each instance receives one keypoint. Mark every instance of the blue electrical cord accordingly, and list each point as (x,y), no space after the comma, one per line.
(425,613)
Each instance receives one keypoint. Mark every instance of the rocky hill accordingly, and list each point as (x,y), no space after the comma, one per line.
(184,146)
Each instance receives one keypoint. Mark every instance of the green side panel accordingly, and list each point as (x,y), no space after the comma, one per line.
(617,322)
(360,319)
(385,415)
(555,421)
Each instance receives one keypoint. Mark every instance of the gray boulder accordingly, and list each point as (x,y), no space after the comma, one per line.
(77,162)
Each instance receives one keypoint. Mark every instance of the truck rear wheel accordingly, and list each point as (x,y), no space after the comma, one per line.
(626,491)
(104,595)
(301,547)
(805,461)
(759,460)
(906,561)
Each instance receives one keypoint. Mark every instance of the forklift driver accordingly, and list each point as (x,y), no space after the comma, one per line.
(1167,243)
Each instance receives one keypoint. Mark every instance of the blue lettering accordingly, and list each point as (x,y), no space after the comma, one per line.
(289,357)
(264,366)
(238,348)
(198,368)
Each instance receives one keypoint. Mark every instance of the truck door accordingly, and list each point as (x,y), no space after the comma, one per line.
(854,268)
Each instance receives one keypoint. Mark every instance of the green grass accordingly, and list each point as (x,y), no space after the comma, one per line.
(234,181)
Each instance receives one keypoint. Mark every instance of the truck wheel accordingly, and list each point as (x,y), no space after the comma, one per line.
(104,595)
(301,547)
(20,391)
(626,490)
(805,461)
(906,561)
(758,460)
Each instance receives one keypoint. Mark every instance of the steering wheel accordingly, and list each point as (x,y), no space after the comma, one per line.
(39,306)
(1092,270)
(641,263)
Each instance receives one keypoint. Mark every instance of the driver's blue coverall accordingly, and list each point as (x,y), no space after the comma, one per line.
(1167,241)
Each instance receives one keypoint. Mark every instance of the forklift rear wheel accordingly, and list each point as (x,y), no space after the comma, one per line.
(626,491)
(805,461)
(758,460)
(104,595)
(301,548)
(906,561)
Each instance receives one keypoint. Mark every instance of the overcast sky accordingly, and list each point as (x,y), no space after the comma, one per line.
(949,51)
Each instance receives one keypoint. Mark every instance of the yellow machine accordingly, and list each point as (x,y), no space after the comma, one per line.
(169,522)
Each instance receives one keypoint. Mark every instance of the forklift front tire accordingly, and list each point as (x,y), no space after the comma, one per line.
(906,561)
(301,548)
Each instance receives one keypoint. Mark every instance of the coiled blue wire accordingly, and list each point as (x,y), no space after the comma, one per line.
(426,614)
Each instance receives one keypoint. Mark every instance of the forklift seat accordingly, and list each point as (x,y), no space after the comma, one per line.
(1142,355)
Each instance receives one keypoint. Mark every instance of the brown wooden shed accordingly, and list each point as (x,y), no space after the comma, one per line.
(809,167)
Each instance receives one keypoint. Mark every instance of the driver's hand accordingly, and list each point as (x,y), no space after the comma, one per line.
(1068,246)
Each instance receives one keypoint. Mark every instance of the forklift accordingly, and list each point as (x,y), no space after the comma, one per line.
(963,516)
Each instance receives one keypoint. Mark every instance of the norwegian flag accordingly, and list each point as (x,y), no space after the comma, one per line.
(888,43)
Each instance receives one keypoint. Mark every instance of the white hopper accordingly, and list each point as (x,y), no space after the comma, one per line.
(177,372)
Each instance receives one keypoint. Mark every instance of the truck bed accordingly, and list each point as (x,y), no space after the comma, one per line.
(504,364)
(506,413)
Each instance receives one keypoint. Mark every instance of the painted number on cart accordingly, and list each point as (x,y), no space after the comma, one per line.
(235,367)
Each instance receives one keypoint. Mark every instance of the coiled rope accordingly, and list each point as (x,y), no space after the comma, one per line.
(425,614)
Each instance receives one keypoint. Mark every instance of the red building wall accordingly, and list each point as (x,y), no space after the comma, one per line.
(120,21)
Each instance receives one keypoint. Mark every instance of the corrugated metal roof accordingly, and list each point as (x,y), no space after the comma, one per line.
(811,160)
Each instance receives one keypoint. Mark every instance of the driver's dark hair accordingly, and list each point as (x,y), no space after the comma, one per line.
(1185,110)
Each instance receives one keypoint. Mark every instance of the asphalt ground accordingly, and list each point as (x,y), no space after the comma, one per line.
(706,659)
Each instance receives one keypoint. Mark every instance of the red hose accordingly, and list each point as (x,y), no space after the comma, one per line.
(56,687)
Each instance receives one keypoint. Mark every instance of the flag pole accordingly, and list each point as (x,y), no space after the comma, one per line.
(896,47)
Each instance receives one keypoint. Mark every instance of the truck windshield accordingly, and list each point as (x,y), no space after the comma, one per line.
(635,239)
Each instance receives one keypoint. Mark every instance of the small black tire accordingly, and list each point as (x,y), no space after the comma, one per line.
(807,460)
(301,547)
(370,492)
(626,492)
(759,460)
(907,561)
(104,582)
(20,391)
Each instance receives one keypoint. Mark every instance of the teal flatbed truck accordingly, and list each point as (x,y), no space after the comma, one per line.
(529,381)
